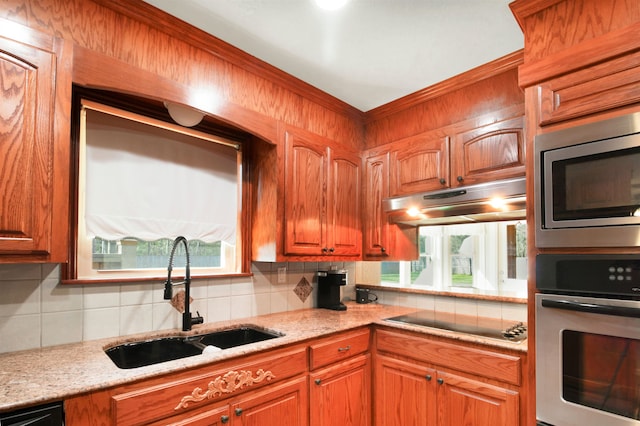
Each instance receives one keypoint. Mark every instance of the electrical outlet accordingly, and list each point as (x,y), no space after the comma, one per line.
(282,275)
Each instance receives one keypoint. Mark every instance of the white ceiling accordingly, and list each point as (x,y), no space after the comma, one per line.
(370,52)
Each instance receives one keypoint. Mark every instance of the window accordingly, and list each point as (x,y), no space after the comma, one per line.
(487,256)
(143,182)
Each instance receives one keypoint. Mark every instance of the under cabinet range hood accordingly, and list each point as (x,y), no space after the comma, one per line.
(485,202)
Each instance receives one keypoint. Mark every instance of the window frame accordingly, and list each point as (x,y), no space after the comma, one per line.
(156,111)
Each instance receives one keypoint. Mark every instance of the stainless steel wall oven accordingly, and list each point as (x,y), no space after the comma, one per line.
(588,339)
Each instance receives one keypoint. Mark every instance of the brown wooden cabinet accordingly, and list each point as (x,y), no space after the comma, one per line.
(340,386)
(34,145)
(321,197)
(404,394)
(487,153)
(419,164)
(426,381)
(463,154)
(261,389)
(383,240)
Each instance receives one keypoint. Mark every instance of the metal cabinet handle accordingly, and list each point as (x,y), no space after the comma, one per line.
(224,419)
(238,411)
(382,249)
(346,348)
(324,249)
(443,181)
(317,381)
(459,178)
(428,377)
(332,249)
(440,381)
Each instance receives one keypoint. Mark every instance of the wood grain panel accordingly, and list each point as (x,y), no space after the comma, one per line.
(555,26)
(338,348)
(419,164)
(488,153)
(341,393)
(399,385)
(595,89)
(485,363)
(33,124)
(149,40)
(344,231)
(141,405)
(462,401)
(481,98)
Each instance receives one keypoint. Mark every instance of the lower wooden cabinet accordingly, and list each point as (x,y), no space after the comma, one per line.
(340,380)
(417,380)
(422,381)
(404,393)
(340,394)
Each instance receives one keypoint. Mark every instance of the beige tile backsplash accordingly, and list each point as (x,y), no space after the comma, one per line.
(36,311)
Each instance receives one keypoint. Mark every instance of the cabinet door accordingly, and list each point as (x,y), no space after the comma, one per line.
(340,394)
(419,164)
(279,405)
(344,230)
(465,401)
(405,393)
(376,181)
(383,240)
(29,147)
(488,153)
(306,169)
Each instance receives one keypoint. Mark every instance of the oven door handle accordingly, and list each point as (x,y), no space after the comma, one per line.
(591,308)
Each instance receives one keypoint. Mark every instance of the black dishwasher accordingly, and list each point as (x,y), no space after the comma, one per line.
(42,415)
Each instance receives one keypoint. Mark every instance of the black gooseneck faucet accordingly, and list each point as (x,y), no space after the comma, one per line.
(187,319)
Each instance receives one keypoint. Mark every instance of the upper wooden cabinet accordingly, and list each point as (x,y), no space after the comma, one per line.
(34,146)
(321,197)
(418,164)
(383,240)
(488,153)
(457,156)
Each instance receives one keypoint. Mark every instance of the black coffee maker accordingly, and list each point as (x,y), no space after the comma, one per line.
(329,283)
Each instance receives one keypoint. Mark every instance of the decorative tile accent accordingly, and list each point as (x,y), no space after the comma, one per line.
(303,289)
(177,301)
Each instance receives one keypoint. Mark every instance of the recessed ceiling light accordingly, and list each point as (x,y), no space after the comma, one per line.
(330,4)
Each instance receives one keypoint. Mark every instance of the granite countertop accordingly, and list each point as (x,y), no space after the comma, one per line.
(54,373)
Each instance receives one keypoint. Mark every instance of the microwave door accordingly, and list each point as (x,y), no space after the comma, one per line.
(589,185)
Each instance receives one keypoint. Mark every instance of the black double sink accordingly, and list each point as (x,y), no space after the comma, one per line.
(154,351)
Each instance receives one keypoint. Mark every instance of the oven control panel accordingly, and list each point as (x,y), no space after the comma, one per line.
(592,274)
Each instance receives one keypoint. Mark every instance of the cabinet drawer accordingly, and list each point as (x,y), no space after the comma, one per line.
(481,362)
(339,347)
(140,406)
(595,89)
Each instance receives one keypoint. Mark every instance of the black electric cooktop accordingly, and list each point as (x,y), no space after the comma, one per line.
(516,332)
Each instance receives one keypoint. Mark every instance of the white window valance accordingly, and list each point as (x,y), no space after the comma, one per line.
(151,182)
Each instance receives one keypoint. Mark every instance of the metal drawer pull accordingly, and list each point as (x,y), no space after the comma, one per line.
(238,411)
(224,419)
(318,381)
(440,381)
(346,348)
(428,377)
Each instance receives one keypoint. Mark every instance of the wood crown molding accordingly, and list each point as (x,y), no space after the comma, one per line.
(174,27)
(522,9)
(609,46)
(490,69)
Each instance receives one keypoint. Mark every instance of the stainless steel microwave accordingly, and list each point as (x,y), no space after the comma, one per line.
(587,185)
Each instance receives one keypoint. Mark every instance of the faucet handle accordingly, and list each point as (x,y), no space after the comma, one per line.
(198,319)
